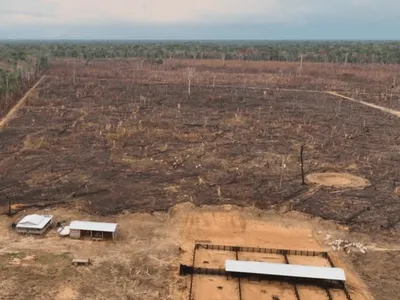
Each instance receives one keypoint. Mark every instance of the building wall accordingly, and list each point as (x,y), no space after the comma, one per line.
(75,234)
(30,230)
(116,233)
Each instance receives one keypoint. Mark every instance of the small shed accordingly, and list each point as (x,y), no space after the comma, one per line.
(34,224)
(94,230)
(81,261)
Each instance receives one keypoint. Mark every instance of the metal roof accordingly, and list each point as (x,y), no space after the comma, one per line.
(274,269)
(34,221)
(93,226)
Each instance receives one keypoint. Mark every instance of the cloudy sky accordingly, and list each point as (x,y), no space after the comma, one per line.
(200,19)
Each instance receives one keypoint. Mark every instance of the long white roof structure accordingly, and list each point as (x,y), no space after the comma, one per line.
(34,221)
(274,269)
(93,226)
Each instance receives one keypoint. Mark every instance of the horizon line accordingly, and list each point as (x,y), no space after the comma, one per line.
(201,39)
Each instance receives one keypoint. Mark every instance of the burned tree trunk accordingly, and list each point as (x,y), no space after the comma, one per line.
(303,182)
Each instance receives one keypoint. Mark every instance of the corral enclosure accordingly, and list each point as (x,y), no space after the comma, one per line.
(124,134)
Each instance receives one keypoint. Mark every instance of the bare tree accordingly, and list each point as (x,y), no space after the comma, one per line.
(223,56)
(283,166)
(190,74)
(214,77)
(303,182)
(301,62)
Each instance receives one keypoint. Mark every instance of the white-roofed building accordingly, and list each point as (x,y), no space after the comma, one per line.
(285,270)
(80,229)
(34,224)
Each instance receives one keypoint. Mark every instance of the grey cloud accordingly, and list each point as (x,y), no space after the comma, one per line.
(9,12)
(250,18)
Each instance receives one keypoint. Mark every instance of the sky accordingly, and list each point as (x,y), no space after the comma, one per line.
(200,19)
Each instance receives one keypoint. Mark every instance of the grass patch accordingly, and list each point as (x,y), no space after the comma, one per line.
(36,143)
(12,255)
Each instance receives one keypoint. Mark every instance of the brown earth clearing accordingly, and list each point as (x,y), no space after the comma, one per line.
(118,139)
(338,180)
(143,262)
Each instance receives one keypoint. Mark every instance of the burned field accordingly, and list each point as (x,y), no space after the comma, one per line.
(116,144)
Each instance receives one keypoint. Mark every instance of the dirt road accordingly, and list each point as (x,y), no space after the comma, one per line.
(381,108)
(19,104)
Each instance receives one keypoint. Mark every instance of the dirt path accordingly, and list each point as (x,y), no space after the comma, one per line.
(19,104)
(381,108)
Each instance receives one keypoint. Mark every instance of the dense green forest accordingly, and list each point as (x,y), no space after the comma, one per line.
(328,51)
(22,61)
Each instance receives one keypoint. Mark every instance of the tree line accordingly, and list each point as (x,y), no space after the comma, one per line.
(18,69)
(387,52)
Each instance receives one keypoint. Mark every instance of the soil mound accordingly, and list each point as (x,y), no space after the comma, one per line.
(338,180)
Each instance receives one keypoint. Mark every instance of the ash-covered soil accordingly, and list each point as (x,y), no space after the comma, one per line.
(118,145)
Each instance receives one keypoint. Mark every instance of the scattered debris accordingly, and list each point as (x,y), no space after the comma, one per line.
(30,257)
(347,246)
(18,261)
(15,261)
(64,231)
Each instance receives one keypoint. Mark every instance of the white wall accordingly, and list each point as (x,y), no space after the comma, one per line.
(74,234)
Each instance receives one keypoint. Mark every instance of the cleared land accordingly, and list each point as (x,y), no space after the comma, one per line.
(143,263)
(121,136)
(105,139)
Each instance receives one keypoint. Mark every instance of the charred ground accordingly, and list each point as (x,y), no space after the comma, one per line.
(120,135)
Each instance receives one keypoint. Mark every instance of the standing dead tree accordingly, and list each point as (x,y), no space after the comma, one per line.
(283,167)
(303,182)
(223,57)
(214,78)
(301,63)
(190,74)
(9,213)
